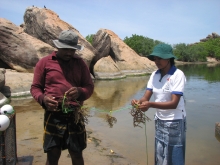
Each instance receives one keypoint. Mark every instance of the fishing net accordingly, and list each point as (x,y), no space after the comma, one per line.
(8,149)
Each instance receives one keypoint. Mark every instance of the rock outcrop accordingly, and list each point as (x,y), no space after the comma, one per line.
(19,50)
(21,47)
(213,35)
(17,83)
(46,25)
(124,60)
(106,68)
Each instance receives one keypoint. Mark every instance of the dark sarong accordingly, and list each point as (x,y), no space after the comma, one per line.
(61,131)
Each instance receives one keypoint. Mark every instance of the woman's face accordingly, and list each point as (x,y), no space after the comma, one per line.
(161,63)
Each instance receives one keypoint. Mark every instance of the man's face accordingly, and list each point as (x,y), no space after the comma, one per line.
(65,54)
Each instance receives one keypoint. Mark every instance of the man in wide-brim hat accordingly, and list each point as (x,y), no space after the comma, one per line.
(61,83)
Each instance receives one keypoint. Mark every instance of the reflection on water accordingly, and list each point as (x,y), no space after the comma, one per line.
(217,136)
(209,72)
(202,95)
(113,97)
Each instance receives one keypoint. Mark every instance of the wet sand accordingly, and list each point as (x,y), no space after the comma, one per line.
(29,127)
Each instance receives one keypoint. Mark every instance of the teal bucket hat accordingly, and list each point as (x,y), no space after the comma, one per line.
(163,51)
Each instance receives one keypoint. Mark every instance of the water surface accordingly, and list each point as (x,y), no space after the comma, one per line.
(202,95)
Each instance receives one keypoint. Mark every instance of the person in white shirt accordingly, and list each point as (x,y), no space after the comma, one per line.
(167,86)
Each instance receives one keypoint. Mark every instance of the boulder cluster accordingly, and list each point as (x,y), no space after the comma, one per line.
(21,47)
(210,36)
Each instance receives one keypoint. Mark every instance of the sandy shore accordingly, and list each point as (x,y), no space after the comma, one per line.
(29,127)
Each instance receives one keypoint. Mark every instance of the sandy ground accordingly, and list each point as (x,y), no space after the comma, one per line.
(29,130)
(29,127)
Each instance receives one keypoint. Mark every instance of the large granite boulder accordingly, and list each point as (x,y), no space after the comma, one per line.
(106,68)
(22,47)
(46,25)
(19,50)
(128,62)
(17,84)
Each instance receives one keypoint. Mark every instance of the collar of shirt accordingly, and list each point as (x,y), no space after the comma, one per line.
(171,71)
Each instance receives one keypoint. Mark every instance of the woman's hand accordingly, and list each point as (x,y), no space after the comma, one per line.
(144,106)
(135,102)
(50,103)
(72,93)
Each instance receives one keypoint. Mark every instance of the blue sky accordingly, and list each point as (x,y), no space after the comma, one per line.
(170,21)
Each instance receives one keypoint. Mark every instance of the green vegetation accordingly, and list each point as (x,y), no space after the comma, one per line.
(212,46)
(89,38)
(198,52)
(185,52)
(190,53)
(140,44)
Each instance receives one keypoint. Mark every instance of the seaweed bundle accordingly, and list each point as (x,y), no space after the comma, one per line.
(80,112)
(138,116)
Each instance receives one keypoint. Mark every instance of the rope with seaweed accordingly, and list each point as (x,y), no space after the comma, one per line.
(138,116)
(81,113)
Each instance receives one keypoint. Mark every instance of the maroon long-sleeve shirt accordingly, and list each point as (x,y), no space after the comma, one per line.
(54,77)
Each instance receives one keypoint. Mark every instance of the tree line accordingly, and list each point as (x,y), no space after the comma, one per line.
(185,52)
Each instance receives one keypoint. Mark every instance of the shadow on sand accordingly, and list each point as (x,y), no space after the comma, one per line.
(25,160)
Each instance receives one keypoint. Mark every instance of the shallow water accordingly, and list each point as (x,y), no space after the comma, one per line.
(202,95)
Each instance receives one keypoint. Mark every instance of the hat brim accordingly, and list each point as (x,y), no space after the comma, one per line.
(164,56)
(61,45)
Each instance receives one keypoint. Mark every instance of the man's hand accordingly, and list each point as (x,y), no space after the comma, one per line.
(50,103)
(72,93)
